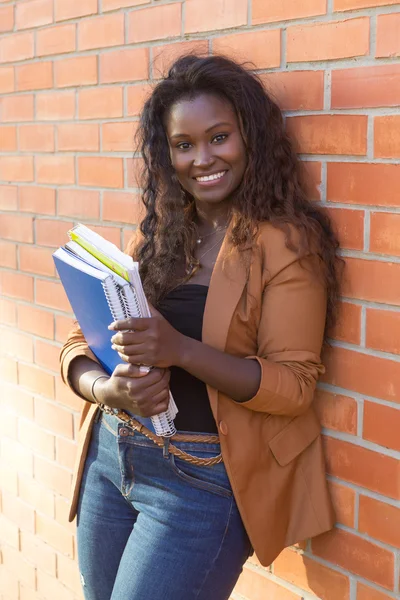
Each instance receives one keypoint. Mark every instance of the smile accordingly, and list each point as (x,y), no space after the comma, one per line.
(213,177)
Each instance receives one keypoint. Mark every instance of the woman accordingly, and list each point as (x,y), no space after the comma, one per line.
(240,268)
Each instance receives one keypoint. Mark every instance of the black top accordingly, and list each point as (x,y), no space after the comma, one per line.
(183,308)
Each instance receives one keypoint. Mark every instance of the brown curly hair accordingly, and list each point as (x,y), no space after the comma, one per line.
(271,189)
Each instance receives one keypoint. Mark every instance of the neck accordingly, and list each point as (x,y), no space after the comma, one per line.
(212,217)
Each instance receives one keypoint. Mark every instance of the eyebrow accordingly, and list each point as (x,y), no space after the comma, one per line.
(176,135)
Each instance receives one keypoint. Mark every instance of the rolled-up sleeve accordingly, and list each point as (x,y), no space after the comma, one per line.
(290,336)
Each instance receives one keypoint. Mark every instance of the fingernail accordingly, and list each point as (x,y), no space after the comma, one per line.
(112,325)
(113,347)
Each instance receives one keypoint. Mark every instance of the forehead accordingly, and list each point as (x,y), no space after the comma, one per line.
(198,114)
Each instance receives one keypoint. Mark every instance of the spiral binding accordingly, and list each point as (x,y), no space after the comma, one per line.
(121,301)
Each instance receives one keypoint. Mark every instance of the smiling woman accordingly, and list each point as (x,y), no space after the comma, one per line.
(241,271)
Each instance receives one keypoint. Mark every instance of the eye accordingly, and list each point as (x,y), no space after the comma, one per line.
(221,137)
(183,146)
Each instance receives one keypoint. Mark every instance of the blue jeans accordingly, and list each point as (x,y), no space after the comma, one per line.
(152,526)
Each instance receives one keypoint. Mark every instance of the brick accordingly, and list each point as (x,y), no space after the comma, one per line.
(284,10)
(348,326)
(208,15)
(257,586)
(380,521)
(36,76)
(336,412)
(363,183)
(56,106)
(366,87)
(340,5)
(6,19)
(55,169)
(36,199)
(8,312)
(311,178)
(311,576)
(381,425)
(17,108)
(261,48)
(16,47)
(34,14)
(47,355)
(36,379)
(55,478)
(124,65)
(383,233)
(69,573)
(9,480)
(8,138)
(79,203)
(36,138)
(36,321)
(329,134)
(383,330)
(359,373)
(8,370)
(76,71)
(56,40)
(113,4)
(52,417)
(15,563)
(17,456)
(17,344)
(8,423)
(74,9)
(356,555)
(36,260)
(365,468)
(119,137)
(136,97)
(52,233)
(388,35)
(66,453)
(328,41)
(39,553)
(36,439)
(387,136)
(16,285)
(65,397)
(122,207)
(9,583)
(101,171)
(101,32)
(366,593)
(63,327)
(52,295)
(49,587)
(134,168)
(9,532)
(349,226)
(22,401)
(78,137)
(16,168)
(343,499)
(164,56)
(54,535)
(361,280)
(154,23)
(101,103)
(8,255)
(6,80)
(8,197)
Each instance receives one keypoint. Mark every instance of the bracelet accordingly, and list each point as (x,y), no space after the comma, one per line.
(94,381)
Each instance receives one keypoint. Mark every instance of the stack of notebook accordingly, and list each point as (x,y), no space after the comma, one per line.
(103,284)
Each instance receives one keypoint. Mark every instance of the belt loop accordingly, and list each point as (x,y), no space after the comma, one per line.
(166,447)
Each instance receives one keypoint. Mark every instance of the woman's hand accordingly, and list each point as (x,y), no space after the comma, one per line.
(142,394)
(152,342)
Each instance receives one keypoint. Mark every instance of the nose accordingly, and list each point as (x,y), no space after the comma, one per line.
(203,157)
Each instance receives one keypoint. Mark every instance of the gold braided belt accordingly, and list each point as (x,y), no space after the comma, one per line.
(160,441)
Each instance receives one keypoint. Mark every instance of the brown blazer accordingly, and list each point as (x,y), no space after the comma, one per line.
(271,444)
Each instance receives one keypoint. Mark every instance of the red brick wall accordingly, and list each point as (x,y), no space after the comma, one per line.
(73,74)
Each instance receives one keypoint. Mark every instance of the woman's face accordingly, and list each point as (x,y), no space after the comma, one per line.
(206,147)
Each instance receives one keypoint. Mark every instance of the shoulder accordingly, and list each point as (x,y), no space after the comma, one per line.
(271,243)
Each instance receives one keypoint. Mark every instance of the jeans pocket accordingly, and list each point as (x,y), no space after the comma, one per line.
(213,479)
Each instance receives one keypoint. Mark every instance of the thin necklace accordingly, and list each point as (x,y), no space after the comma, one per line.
(211,247)
(216,230)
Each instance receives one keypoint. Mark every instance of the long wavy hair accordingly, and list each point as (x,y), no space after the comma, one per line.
(271,189)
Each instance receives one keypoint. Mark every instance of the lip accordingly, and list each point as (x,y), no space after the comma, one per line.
(213,181)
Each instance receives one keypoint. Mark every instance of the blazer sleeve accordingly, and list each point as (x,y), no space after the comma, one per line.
(290,334)
(76,344)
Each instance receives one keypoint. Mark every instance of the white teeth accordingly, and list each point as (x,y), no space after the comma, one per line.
(211,177)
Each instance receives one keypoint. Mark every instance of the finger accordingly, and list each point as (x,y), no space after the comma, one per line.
(129,370)
(137,324)
(159,404)
(129,338)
